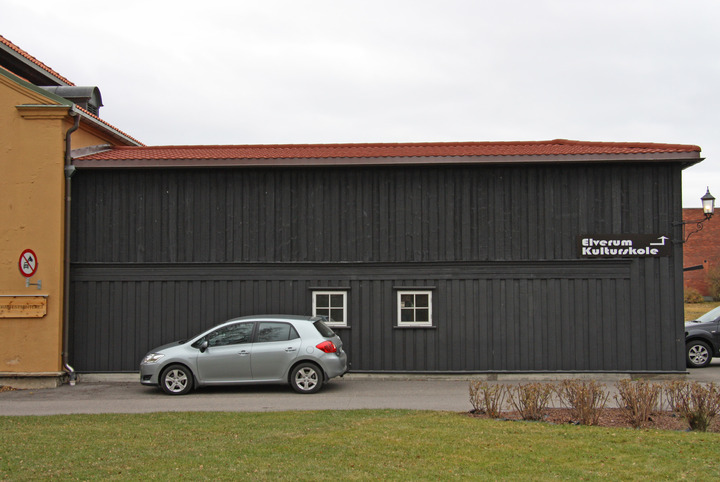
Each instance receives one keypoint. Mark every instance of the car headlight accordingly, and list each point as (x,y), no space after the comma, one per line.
(152,357)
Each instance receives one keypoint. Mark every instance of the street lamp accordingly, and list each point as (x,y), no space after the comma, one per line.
(708,206)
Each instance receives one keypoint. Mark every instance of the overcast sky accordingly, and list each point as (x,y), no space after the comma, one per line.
(327,71)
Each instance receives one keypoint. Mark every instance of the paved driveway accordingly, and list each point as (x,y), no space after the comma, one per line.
(340,394)
(351,392)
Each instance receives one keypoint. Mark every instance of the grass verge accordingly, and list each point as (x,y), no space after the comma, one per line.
(694,310)
(340,445)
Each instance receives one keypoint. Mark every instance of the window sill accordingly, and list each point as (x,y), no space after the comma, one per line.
(415,327)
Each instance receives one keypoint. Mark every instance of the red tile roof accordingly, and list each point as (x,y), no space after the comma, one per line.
(32,59)
(558,147)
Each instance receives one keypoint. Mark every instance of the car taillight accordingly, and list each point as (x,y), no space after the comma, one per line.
(327,347)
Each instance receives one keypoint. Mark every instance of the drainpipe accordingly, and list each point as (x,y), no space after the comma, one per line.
(69,171)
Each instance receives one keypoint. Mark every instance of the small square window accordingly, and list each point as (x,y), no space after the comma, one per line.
(331,304)
(414,308)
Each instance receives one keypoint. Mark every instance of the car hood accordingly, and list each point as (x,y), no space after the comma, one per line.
(695,324)
(169,345)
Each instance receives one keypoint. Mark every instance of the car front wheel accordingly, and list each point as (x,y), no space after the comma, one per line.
(306,378)
(698,354)
(176,380)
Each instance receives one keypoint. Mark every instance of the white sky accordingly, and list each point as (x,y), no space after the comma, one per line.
(326,71)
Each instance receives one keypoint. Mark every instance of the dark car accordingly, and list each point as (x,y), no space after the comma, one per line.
(702,339)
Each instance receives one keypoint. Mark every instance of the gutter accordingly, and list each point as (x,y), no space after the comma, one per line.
(69,171)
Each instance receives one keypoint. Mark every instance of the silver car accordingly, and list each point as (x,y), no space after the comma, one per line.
(301,351)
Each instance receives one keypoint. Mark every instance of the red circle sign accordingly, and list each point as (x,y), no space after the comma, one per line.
(28,263)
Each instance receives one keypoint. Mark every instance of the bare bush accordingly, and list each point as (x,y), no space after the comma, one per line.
(530,400)
(639,399)
(698,404)
(584,399)
(672,392)
(486,398)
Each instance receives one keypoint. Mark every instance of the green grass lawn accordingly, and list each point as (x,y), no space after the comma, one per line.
(341,445)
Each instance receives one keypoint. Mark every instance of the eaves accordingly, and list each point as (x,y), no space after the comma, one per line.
(686,159)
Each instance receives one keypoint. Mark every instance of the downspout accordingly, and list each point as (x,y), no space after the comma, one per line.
(69,171)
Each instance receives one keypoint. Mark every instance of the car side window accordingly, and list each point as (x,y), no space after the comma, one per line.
(230,335)
(275,331)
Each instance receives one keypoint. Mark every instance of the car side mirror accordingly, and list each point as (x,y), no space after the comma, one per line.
(204,346)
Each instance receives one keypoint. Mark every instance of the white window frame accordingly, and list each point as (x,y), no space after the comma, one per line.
(330,293)
(400,308)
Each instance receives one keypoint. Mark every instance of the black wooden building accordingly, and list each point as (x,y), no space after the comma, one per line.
(449,257)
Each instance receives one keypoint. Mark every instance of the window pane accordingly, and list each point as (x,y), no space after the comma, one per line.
(406,301)
(322,301)
(273,332)
(323,312)
(336,301)
(406,315)
(324,330)
(336,315)
(421,300)
(231,335)
(422,315)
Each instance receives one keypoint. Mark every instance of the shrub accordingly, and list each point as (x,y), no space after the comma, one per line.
(698,404)
(487,398)
(713,281)
(672,391)
(585,399)
(639,399)
(530,400)
(693,296)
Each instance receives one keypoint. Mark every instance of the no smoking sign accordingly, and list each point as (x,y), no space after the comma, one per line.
(28,263)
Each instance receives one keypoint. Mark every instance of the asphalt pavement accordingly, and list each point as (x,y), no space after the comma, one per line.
(124,394)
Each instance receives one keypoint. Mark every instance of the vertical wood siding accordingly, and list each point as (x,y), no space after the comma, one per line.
(394,215)
(159,255)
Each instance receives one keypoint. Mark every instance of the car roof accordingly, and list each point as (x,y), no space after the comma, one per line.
(275,318)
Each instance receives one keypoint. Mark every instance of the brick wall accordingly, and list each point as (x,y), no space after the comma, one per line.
(703,248)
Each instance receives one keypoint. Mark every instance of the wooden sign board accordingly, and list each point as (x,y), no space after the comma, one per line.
(23,306)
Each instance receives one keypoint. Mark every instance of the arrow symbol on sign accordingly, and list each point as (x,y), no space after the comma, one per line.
(661,238)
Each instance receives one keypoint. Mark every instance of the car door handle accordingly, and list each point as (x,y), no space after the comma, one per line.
(243,353)
(290,348)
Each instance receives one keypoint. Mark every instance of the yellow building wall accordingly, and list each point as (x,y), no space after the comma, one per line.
(32,207)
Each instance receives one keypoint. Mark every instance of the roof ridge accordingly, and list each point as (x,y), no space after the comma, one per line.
(405,145)
(619,144)
(35,61)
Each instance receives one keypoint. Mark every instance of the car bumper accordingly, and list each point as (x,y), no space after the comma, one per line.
(149,374)
(335,365)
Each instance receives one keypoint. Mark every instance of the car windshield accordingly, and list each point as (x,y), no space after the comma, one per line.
(711,315)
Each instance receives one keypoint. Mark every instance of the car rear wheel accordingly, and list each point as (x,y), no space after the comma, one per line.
(698,354)
(176,380)
(306,378)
